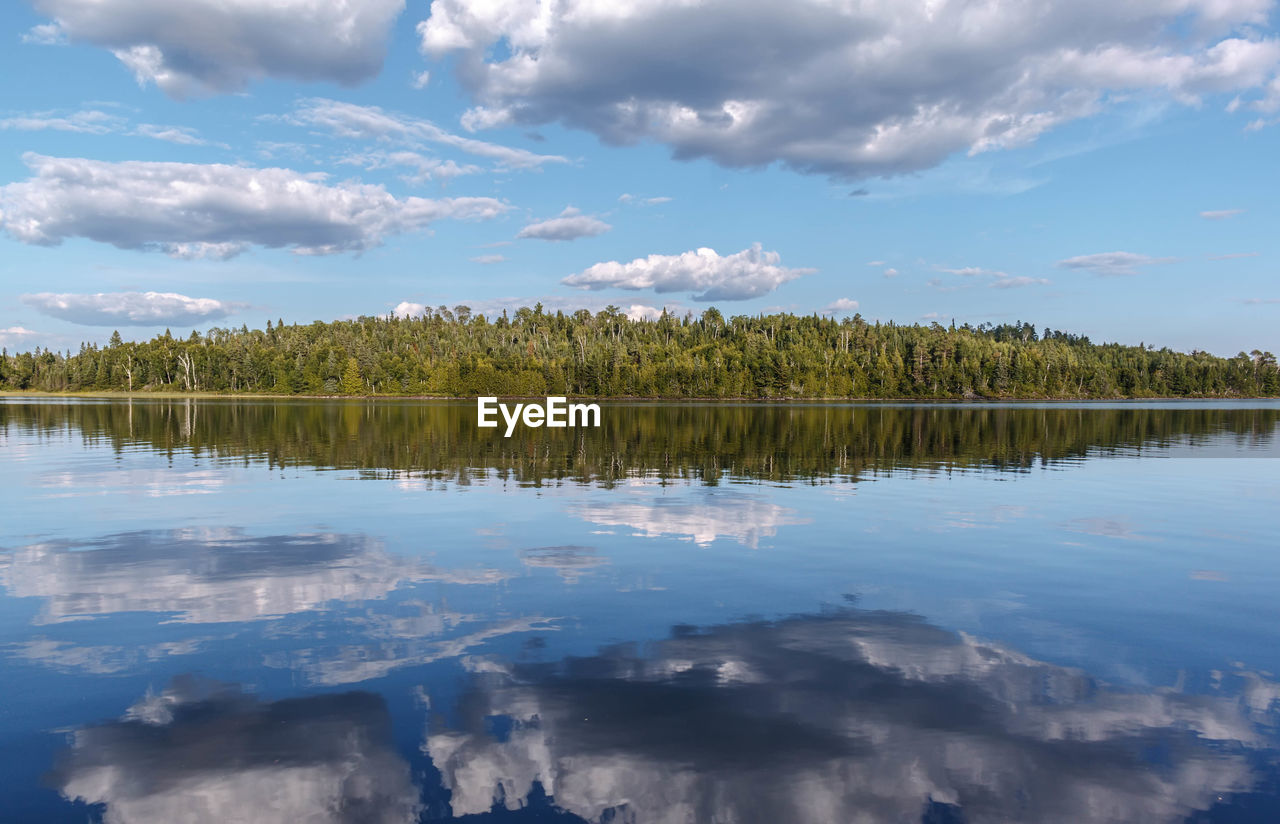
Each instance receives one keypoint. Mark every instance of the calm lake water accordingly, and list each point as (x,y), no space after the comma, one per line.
(238,611)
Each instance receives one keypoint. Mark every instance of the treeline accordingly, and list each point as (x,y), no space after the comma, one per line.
(692,442)
(454,353)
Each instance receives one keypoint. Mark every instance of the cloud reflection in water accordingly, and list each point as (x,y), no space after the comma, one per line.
(203,754)
(844,716)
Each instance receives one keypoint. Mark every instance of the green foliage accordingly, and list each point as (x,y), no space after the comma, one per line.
(458,354)
(351,383)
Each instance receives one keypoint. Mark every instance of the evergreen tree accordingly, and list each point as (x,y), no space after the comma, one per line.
(351,382)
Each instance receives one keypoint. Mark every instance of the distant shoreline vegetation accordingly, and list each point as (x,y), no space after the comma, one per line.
(454,353)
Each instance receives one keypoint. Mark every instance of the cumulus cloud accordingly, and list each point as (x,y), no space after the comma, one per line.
(188,208)
(568,225)
(130,308)
(350,120)
(1112,263)
(742,275)
(15,334)
(407,309)
(851,90)
(199,47)
(488,259)
(840,306)
(891,272)
(1221,214)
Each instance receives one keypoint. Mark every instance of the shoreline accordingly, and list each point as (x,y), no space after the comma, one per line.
(179,395)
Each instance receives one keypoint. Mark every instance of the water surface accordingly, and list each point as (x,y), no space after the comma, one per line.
(218,611)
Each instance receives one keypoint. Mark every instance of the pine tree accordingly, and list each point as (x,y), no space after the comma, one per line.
(351,382)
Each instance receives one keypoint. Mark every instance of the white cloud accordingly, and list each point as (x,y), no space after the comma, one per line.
(1234,256)
(742,275)
(847,89)
(182,135)
(1012,282)
(186,207)
(488,259)
(975,271)
(568,225)
(197,47)
(405,309)
(891,272)
(1112,263)
(420,80)
(1221,214)
(840,306)
(15,334)
(422,167)
(45,34)
(638,311)
(644,201)
(350,120)
(875,263)
(130,308)
(568,304)
(91,121)
(1261,301)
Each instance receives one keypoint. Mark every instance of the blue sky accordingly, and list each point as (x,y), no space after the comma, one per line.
(1109,169)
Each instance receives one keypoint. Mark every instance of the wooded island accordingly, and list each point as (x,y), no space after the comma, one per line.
(455,353)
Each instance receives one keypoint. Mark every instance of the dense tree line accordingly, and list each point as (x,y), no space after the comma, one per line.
(457,354)
(689,441)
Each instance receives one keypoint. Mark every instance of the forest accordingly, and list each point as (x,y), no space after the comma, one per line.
(455,353)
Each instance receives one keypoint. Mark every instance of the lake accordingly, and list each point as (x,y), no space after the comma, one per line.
(313,611)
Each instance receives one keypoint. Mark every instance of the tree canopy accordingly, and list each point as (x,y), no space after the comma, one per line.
(455,353)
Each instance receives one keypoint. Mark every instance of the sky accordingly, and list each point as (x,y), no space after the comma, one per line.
(1105,168)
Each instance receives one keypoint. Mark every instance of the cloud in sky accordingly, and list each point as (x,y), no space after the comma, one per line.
(1112,263)
(86,121)
(419,167)
(353,121)
(189,209)
(96,121)
(626,197)
(16,335)
(1221,214)
(130,308)
(568,225)
(199,47)
(840,306)
(488,259)
(850,90)
(739,276)
(998,279)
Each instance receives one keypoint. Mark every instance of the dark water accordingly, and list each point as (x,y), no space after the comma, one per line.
(354,612)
